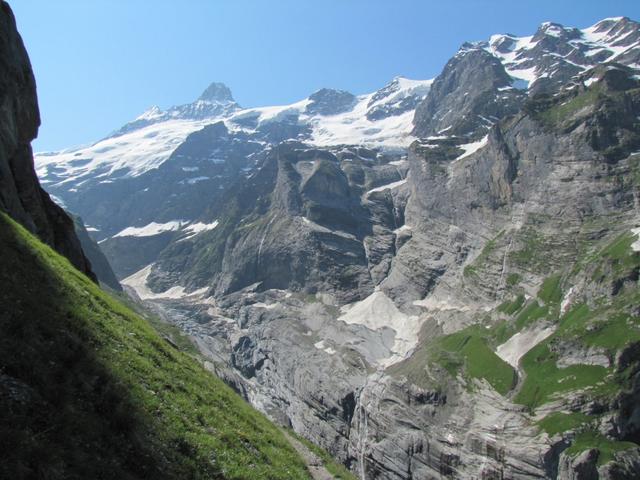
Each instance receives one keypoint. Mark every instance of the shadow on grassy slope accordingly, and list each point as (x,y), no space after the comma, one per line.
(89,390)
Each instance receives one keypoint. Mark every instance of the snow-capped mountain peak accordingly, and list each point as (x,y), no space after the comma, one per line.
(215,102)
(556,53)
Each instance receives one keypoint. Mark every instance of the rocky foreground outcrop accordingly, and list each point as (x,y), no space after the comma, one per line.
(20,193)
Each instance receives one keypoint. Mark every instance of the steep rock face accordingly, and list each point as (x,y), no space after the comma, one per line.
(471,94)
(513,211)
(302,221)
(20,193)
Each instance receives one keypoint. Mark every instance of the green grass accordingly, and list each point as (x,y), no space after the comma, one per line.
(466,352)
(620,248)
(544,379)
(513,279)
(532,243)
(550,291)
(558,114)
(531,313)
(336,469)
(512,307)
(593,439)
(610,327)
(468,349)
(559,422)
(165,329)
(106,396)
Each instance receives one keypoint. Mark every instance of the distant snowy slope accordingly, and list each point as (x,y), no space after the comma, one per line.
(379,119)
(130,154)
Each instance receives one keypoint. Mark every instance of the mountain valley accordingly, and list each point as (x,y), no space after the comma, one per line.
(438,279)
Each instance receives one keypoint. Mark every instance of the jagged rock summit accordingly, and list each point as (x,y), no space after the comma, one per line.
(217,93)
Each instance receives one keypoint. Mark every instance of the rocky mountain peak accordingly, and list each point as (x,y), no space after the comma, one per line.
(607,24)
(472,91)
(328,101)
(503,43)
(217,93)
(556,30)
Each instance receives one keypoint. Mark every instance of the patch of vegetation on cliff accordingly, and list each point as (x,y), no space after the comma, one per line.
(480,261)
(468,352)
(544,379)
(561,113)
(550,291)
(608,323)
(94,392)
(593,439)
(511,307)
(558,422)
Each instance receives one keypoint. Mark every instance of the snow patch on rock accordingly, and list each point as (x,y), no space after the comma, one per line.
(635,246)
(389,186)
(517,346)
(151,229)
(378,312)
(471,148)
(138,282)
(199,227)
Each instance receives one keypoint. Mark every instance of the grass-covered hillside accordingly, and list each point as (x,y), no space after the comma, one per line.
(89,390)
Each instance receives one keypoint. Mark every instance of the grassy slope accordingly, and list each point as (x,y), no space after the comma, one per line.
(89,390)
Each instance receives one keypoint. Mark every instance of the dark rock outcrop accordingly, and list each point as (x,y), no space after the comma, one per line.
(20,193)
(327,101)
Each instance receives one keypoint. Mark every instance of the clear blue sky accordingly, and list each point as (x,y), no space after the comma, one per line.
(100,63)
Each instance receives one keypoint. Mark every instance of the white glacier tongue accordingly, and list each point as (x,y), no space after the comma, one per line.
(138,282)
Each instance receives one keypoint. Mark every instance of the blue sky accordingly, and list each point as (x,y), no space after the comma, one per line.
(100,63)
